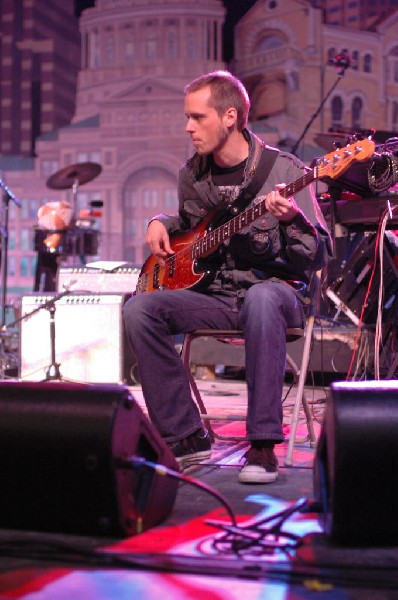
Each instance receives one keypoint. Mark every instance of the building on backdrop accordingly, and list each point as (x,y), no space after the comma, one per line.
(135,61)
(40,49)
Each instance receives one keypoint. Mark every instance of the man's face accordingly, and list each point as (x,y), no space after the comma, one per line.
(208,131)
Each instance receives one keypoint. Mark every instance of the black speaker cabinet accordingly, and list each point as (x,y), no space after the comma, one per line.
(356,463)
(64,451)
(90,341)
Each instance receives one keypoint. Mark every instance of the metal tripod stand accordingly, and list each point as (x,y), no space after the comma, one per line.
(53,372)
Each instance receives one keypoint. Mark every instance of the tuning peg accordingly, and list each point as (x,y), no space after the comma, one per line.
(336,144)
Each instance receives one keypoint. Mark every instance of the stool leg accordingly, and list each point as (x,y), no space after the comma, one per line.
(300,397)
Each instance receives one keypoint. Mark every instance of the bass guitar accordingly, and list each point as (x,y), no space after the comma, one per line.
(186,268)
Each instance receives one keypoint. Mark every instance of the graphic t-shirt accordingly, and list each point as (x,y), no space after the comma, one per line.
(228,180)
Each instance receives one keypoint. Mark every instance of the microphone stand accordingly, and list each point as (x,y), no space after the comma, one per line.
(343,67)
(52,372)
(7,196)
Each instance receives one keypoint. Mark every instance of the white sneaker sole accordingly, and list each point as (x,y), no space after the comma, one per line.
(256,474)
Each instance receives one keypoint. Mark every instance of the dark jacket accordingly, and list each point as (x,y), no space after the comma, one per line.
(266,248)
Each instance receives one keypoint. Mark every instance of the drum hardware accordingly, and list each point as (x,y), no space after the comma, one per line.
(94,212)
(80,240)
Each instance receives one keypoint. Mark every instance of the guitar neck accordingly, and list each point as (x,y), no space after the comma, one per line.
(299,184)
(212,240)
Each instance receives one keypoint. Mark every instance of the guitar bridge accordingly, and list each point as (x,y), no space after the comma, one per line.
(155,279)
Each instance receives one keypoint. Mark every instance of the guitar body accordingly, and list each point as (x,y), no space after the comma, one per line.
(181,270)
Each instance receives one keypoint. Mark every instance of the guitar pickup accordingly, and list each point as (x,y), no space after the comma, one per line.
(172,265)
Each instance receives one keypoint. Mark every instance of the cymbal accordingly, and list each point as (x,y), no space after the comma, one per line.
(80,173)
(325,140)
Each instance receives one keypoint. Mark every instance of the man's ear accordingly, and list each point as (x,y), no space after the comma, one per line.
(231,116)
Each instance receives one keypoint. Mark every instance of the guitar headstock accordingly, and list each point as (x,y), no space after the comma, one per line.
(335,163)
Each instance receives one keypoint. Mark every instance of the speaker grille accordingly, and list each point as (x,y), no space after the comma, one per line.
(90,345)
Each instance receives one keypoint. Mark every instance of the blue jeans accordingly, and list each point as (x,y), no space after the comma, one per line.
(153,319)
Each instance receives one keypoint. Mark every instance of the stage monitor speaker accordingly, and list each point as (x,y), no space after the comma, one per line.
(90,341)
(62,451)
(356,463)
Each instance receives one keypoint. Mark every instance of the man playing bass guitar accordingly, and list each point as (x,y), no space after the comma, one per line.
(255,279)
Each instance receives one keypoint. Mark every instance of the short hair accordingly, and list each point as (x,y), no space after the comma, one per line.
(226,91)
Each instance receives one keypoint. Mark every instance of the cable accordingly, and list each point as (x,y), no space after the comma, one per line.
(260,537)
(263,537)
(383,172)
(379,319)
(378,260)
(137,462)
(359,328)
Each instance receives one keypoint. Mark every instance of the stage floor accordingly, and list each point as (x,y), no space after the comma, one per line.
(190,555)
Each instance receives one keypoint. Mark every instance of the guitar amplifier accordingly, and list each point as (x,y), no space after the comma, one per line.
(87,279)
(90,341)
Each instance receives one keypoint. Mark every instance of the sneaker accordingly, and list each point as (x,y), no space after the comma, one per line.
(193,449)
(261,465)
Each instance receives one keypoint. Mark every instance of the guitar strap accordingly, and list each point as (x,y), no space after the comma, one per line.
(262,163)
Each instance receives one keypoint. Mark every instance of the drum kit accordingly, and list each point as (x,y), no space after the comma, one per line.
(59,218)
